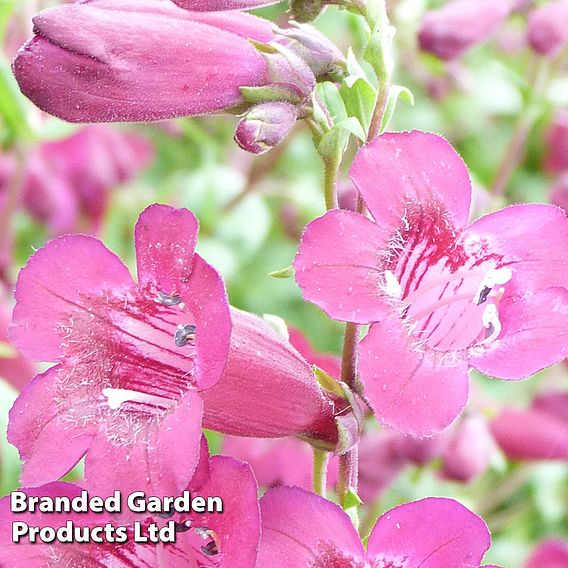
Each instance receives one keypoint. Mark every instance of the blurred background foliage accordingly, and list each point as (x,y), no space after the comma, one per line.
(252,211)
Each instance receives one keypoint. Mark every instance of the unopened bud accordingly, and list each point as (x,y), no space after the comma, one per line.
(556,158)
(265,126)
(287,69)
(322,56)
(458,26)
(547,28)
(306,10)
(469,451)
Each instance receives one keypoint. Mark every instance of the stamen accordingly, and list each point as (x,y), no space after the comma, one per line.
(168,300)
(212,547)
(184,334)
(116,397)
(182,527)
(490,320)
(392,285)
(493,278)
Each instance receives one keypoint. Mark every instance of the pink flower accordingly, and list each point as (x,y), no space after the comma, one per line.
(301,529)
(469,450)
(329,363)
(547,31)
(14,367)
(559,193)
(139,60)
(537,433)
(72,178)
(268,390)
(459,25)
(131,357)
(380,463)
(440,295)
(278,462)
(556,159)
(551,553)
(224,540)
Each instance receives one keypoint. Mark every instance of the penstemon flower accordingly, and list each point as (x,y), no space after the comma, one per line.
(440,295)
(539,432)
(552,553)
(142,365)
(68,181)
(459,25)
(96,61)
(131,357)
(214,540)
(300,529)
(546,31)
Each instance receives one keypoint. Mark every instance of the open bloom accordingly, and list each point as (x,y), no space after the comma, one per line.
(139,60)
(459,25)
(301,529)
(131,357)
(536,433)
(440,295)
(222,540)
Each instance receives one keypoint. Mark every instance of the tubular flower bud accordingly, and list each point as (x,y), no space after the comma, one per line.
(268,389)
(97,61)
(219,5)
(307,10)
(265,126)
(322,56)
(458,26)
(547,30)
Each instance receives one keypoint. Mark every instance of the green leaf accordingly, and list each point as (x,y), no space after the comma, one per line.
(12,108)
(329,94)
(279,93)
(351,499)
(328,383)
(287,272)
(396,92)
(359,97)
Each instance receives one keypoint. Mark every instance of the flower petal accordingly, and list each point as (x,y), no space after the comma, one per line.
(95,63)
(430,533)
(399,168)
(49,447)
(165,242)
(415,392)
(160,463)
(337,266)
(551,553)
(52,285)
(268,390)
(531,240)
(530,435)
(298,528)
(209,6)
(205,297)
(534,335)
(238,528)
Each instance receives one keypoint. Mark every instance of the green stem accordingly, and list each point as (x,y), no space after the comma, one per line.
(515,151)
(321,458)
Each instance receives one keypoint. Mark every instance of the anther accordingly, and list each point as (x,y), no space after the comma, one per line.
(116,397)
(212,547)
(184,334)
(168,300)
(182,527)
(493,278)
